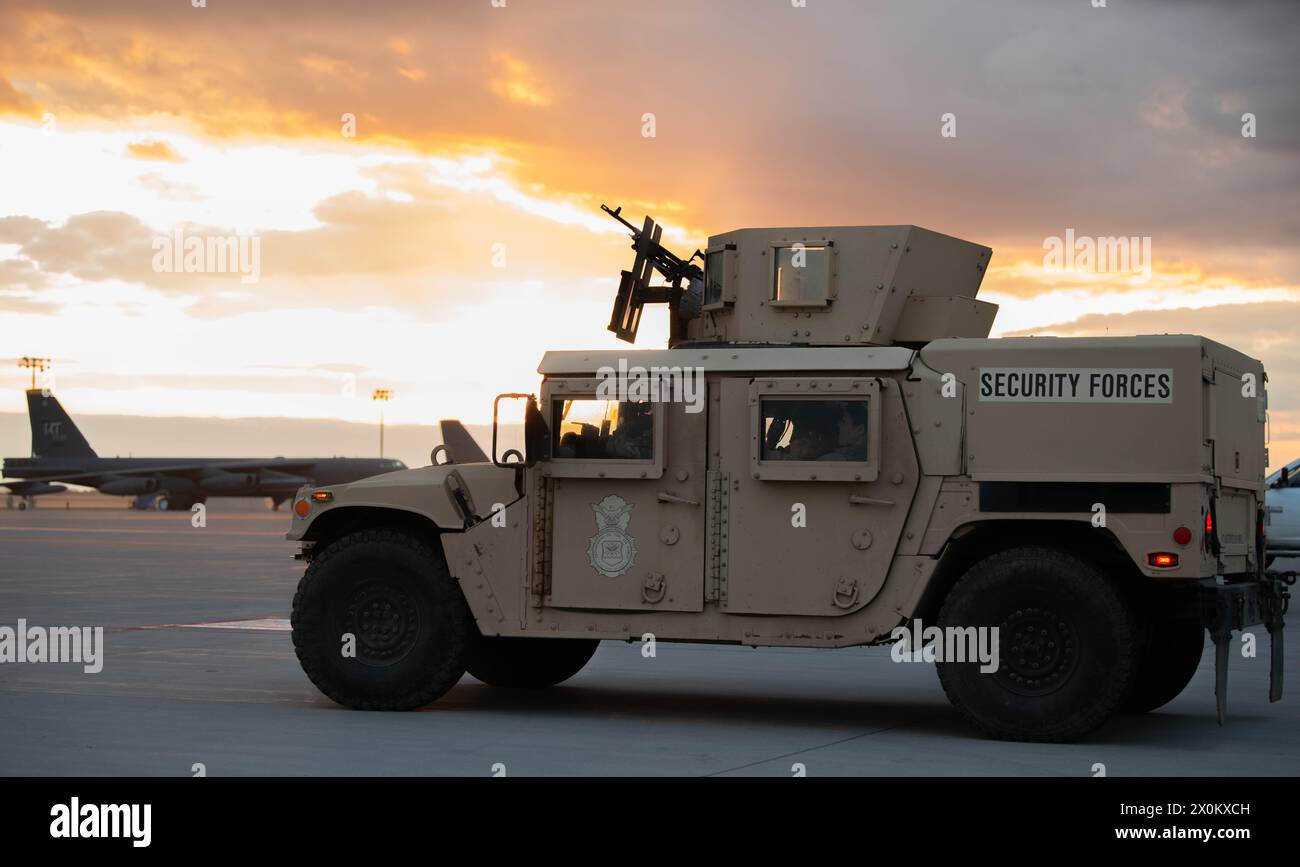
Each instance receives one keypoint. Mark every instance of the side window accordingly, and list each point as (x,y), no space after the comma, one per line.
(814,430)
(592,429)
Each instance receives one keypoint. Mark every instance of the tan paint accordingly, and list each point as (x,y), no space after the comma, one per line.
(696,543)
(420,490)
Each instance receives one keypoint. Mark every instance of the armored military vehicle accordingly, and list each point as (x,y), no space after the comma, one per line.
(831,452)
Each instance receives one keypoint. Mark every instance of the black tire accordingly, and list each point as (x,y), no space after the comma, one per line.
(409,620)
(1066,646)
(528,663)
(1170,653)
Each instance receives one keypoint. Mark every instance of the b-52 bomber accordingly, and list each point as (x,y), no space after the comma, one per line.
(60,453)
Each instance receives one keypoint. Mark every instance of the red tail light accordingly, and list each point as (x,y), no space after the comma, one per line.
(1209,524)
(1162,560)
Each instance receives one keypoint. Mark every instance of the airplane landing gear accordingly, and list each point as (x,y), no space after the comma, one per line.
(168,503)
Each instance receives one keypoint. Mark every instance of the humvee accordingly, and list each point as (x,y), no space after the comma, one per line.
(831,452)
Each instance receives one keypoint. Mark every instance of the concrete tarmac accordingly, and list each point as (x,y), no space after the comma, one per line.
(175,692)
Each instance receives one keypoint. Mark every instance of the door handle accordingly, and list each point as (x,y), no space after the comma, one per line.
(858,500)
(665,497)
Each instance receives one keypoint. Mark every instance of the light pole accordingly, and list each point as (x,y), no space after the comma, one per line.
(383,395)
(35,364)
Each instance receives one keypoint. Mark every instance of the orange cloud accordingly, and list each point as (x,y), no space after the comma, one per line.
(516,81)
(158,151)
(14,101)
(1129,147)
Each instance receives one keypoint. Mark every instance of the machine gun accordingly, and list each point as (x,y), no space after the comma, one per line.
(634,289)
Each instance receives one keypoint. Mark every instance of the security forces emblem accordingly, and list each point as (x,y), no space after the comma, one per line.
(612,550)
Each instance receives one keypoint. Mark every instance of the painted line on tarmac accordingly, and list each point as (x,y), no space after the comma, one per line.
(257,624)
(137,531)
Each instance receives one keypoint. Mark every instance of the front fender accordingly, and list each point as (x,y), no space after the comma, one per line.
(422,491)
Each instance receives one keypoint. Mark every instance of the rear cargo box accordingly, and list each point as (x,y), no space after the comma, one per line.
(1159,409)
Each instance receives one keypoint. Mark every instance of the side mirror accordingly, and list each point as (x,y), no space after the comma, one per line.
(537,434)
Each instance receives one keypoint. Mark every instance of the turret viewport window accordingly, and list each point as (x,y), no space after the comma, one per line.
(715,267)
(800,275)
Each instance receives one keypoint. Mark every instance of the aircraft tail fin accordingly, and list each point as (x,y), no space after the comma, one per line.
(464,450)
(54,434)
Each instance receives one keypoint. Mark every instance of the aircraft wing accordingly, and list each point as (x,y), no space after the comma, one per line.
(285,465)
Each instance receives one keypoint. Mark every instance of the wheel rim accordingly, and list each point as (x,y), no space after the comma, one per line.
(1039,651)
(384,620)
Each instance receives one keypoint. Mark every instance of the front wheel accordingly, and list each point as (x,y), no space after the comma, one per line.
(1065,645)
(379,623)
(529,663)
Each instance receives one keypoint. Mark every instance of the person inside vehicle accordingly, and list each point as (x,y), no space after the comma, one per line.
(813,435)
(633,439)
(850,435)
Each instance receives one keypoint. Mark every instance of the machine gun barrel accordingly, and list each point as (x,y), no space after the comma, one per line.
(617,214)
(666,262)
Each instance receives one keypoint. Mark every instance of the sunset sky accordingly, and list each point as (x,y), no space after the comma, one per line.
(457,235)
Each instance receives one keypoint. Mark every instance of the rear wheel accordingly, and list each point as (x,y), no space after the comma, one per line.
(529,663)
(1065,646)
(1171,652)
(379,623)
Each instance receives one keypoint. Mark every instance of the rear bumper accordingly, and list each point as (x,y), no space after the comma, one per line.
(1232,606)
(1225,608)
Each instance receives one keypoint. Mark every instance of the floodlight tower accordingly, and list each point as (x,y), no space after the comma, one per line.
(34,364)
(383,395)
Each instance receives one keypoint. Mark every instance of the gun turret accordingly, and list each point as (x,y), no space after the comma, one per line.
(635,291)
(840,286)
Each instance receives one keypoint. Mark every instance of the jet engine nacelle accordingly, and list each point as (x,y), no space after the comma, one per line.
(272,482)
(228,482)
(129,487)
